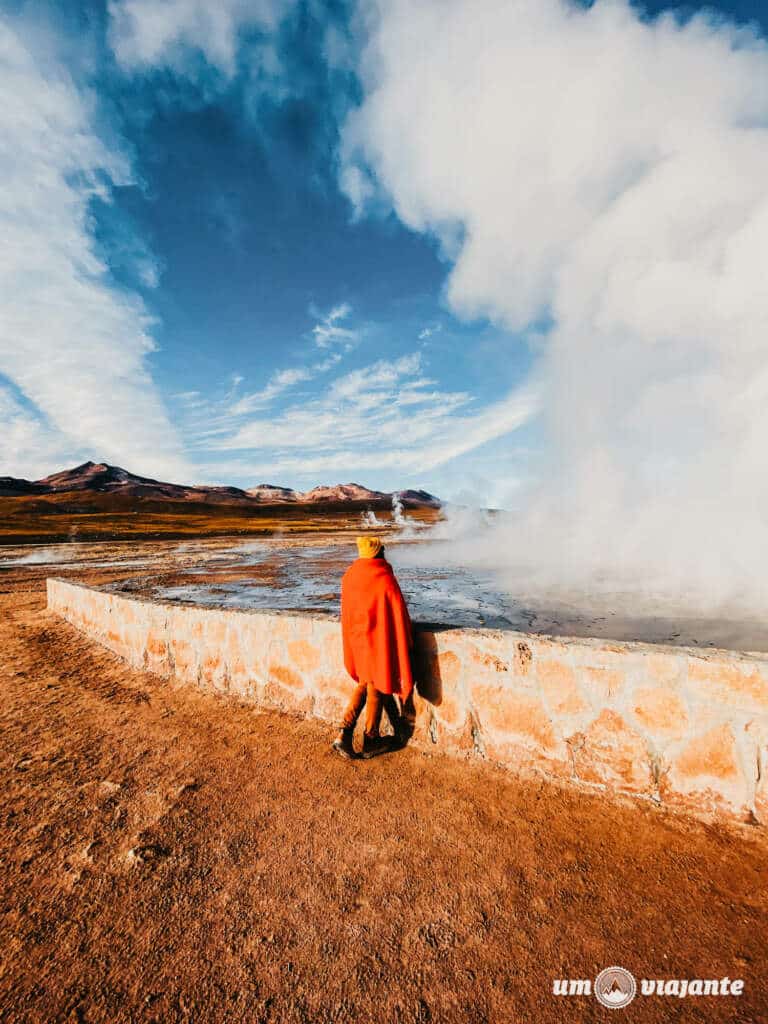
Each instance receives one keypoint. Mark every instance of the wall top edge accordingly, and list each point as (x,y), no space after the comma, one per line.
(594,643)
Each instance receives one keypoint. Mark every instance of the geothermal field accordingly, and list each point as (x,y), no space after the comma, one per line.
(303,572)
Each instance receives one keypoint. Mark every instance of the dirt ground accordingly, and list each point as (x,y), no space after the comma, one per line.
(168,856)
(94,516)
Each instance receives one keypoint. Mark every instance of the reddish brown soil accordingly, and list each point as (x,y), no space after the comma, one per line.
(169,856)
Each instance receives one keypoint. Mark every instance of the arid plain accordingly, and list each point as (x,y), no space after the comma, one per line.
(172,855)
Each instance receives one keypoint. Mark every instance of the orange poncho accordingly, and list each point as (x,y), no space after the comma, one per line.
(376,627)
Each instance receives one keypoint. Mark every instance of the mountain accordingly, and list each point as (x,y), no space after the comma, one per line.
(91,476)
(341,493)
(417,499)
(272,493)
(101,478)
(14,487)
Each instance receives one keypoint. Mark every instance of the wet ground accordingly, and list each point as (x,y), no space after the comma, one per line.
(304,573)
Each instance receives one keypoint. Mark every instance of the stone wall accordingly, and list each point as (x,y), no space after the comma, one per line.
(684,727)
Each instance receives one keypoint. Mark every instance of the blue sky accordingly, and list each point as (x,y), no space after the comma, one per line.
(247,314)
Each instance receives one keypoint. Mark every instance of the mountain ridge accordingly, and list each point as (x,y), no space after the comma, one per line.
(101,477)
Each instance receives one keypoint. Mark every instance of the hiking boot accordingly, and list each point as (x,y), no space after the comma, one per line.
(403,734)
(343,744)
(375,745)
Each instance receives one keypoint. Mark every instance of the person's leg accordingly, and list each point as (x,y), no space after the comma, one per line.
(392,711)
(355,706)
(343,744)
(373,743)
(402,717)
(373,707)
(408,716)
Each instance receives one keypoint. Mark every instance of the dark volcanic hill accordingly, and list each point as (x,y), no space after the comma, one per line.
(418,499)
(14,487)
(101,478)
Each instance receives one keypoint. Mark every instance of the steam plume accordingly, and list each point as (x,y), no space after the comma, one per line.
(603,175)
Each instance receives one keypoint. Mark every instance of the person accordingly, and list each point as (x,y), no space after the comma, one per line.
(377,637)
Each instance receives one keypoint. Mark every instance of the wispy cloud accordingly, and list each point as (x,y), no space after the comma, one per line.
(74,346)
(329,331)
(420,448)
(27,441)
(146,33)
(388,414)
(224,415)
(429,330)
(278,383)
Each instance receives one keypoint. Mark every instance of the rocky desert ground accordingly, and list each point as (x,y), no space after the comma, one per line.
(171,856)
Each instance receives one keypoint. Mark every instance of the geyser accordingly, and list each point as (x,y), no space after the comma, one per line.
(597,180)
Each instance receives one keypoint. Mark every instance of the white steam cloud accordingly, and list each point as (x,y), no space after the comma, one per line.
(606,175)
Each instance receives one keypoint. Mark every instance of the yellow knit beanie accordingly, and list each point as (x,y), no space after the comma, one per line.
(368,547)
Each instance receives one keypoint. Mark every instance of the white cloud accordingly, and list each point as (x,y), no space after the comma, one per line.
(190,399)
(329,331)
(27,442)
(607,172)
(427,332)
(73,344)
(408,445)
(278,383)
(146,33)
(386,416)
(361,408)
(371,379)
(222,416)
(281,381)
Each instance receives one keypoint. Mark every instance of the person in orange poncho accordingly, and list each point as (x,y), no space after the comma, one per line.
(377,636)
